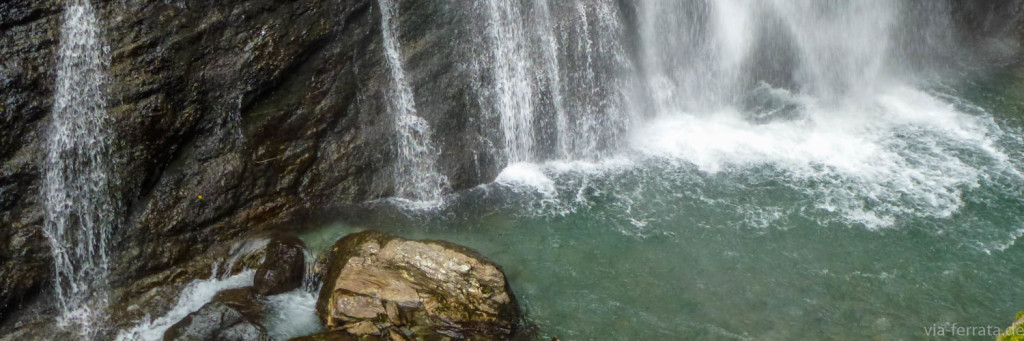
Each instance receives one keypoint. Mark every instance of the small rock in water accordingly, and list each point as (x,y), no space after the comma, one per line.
(232,315)
(384,286)
(283,268)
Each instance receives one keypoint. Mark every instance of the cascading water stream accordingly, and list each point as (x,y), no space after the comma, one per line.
(513,85)
(78,194)
(707,55)
(551,65)
(579,92)
(416,175)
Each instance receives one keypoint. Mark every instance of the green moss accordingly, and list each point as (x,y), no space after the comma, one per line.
(1016,331)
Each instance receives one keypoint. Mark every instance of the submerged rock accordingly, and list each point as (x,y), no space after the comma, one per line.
(381,285)
(283,267)
(231,315)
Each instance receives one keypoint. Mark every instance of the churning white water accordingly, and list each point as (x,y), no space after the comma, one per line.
(815,90)
(416,176)
(78,197)
(905,151)
(292,314)
(194,296)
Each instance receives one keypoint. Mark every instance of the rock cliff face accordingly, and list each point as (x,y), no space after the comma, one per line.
(232,117)
(28,41)
(994,29)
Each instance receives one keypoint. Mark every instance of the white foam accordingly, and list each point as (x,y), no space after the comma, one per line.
(605,165)
(193,297)
(1002,246)
(292,314)
(530,175)
(900,151)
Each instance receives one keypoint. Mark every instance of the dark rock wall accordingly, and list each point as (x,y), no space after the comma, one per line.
(232,117)
(235,115)
(993,30)
(28,42)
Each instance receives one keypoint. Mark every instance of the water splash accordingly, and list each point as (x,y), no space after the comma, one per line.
(415,173)
(292,314)
(194,296)
(79,195)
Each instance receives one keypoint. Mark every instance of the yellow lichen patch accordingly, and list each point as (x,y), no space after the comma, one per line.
(1016,331)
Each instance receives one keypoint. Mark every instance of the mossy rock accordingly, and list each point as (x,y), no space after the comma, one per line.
(1016,331)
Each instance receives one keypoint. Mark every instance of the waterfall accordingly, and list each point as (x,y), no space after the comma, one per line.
(513,84)
(78,196)
(569,79)
(415,172)
(824,91)
(559,64)
(708,54)
(551,65)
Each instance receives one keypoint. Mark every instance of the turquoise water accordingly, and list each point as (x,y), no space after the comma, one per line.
(845,222)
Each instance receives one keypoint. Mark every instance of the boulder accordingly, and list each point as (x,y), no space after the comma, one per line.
(283,267)
(231,315)
(381,285)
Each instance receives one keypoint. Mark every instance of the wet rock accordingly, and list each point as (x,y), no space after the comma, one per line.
(328,336)
(156,294)
(381,285)
(283,267)
(231,315)
(992,31)
(231,118)
(28,37)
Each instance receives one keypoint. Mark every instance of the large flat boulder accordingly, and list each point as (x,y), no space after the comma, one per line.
(381,285)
